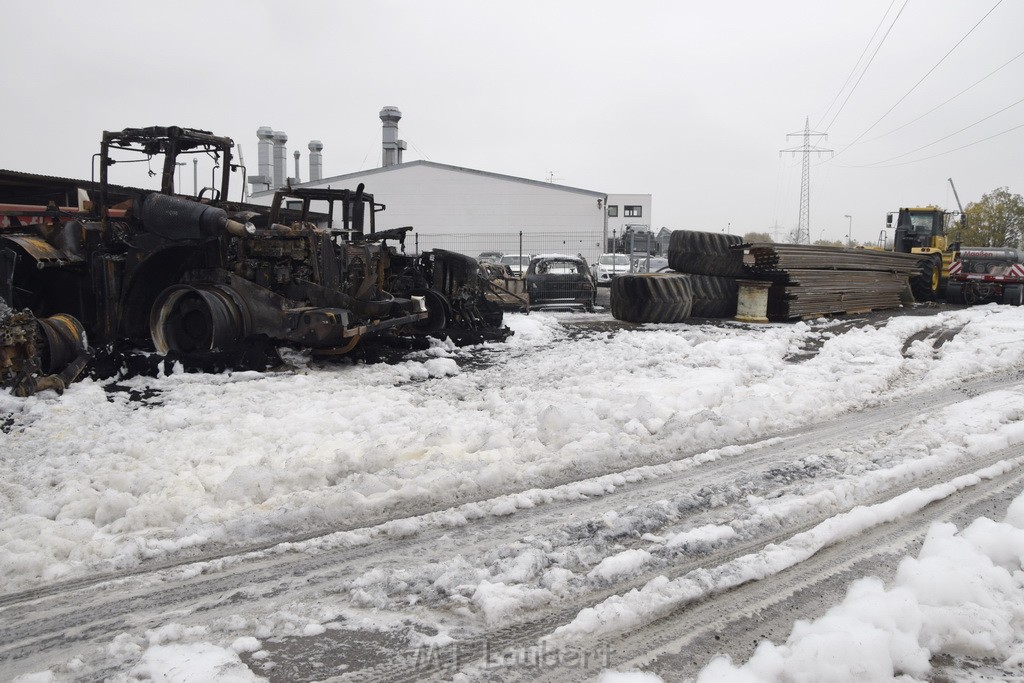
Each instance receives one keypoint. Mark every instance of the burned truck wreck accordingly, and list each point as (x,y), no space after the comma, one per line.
(96,265)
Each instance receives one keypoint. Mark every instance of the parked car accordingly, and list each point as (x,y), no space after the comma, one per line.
(557,281)
(490,256)
(609,266)
(654,264)
(517,263)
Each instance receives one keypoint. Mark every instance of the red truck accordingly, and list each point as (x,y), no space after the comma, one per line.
(986,274)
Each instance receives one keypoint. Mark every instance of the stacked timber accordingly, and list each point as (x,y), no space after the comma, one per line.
(811,281)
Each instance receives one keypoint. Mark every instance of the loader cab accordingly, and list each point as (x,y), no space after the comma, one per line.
(350,214)
(166,154)
(918,229)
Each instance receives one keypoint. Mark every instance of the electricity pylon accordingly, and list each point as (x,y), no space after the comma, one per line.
(803,227)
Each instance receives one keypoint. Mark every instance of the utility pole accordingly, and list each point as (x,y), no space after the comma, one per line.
(803,228)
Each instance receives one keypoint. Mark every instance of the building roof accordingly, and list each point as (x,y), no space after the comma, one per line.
(444,167)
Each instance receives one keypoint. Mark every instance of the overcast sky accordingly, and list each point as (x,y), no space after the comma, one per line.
(688,101)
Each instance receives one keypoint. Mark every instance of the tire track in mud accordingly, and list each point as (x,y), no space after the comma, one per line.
(91,609)
(679,646)
(71,615)
(938,335)
(704,619)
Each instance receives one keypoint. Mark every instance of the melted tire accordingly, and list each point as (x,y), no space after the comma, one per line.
(705,253)
(713,297)
(651,298)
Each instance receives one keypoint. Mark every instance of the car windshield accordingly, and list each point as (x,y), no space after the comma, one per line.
(516,260)
(921,221)
(614,259)
(558,267)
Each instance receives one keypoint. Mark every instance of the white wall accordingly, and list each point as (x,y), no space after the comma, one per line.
(621,201)
(441,200)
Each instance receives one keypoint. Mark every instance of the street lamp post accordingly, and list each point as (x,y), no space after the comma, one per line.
(849,229)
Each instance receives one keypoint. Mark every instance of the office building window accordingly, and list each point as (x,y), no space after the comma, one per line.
(613,211)
(633,211)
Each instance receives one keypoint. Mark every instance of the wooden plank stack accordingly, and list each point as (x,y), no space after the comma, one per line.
(809,281)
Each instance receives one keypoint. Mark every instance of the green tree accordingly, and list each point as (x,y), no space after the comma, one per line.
(996,220)
(757,237)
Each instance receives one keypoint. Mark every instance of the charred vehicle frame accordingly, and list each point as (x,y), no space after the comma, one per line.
(199,276)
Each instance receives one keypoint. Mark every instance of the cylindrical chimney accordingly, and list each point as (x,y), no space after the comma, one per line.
(265,165)
(280,158)
(316,162)
(298,178)
(390,116)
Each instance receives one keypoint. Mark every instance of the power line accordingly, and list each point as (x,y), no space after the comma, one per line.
(856,64)
(914,87)
(978,82)
(957,149)
(877,163)
(866,66)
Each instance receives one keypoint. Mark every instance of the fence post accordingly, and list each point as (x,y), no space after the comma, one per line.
(520,250)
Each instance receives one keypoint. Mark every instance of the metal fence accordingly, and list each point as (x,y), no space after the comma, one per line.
(572,242)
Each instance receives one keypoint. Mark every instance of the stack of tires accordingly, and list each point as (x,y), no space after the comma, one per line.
(702,286)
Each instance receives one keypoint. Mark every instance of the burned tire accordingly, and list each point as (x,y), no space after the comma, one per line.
(651,298)
(926,285)
(189,319)
(705,253)
(439,310)
(713,297)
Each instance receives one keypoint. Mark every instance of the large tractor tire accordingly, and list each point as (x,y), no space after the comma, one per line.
(651,298)
(926,285)
(705,253)
(713,297)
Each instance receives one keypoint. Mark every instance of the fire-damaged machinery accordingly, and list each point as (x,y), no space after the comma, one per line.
(985,274)
(201,276)
(38,354)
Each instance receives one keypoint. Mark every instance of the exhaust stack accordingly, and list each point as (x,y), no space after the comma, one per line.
(280,158)
(392,146)
(316,162)
(265,177)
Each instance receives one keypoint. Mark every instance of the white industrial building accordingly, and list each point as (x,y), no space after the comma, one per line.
(458,208)
(631,211)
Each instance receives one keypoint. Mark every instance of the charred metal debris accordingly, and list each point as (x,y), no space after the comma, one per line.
(90,270)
